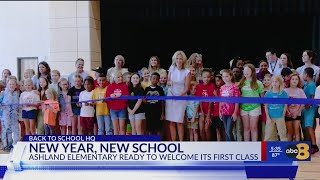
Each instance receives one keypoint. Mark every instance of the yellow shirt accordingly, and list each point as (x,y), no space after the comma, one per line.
(145,84)
(101,107)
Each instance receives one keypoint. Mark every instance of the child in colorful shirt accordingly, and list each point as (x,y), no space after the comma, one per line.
(66,114)
(309,112)
(102,110)
(205,89)
(10,126)
(293,115)
(192,112)
(50,110)
(228,111)
(275,112)
(118,108)
(250,87)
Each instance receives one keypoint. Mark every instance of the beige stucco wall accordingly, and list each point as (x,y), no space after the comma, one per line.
(74,32)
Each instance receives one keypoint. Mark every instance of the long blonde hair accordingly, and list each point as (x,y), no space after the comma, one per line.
(253,83)
(53,93)
(114,76)
(280,80)
(191,62)
(184,58)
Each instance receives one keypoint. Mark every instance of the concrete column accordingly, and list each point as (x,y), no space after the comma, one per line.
(74,33)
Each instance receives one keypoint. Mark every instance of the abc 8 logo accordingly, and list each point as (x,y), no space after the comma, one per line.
(299,151)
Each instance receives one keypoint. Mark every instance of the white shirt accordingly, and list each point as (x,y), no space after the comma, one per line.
(274,68)
(277,71)
(29,98)
(86,111)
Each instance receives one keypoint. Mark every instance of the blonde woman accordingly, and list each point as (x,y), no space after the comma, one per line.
(179,84)
(119,62)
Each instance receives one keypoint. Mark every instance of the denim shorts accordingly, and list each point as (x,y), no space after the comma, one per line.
(76,111)
(32,114)
(138,116)
(118,114)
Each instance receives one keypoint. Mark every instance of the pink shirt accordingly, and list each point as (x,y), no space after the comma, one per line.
(294,93)
(228,91)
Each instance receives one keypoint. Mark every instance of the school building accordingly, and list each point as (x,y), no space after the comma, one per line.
(54,31)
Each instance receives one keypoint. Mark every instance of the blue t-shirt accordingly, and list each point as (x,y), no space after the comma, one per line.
(276,110)
(191,108)
(310,90)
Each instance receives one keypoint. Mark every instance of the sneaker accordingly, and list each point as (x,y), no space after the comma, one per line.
(3,148)
(7,149)
(315,148)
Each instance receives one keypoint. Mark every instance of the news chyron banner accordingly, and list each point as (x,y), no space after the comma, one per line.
(86,149)
(89,152)
(145,153)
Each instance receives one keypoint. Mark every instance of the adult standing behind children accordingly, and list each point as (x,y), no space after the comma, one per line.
(309,57)
(285,62)
(273,61)
(119,62)
(154,65)
(79,71)
(179,82)
(44,71)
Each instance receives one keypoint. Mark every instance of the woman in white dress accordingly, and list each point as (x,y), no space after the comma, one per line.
(179,84)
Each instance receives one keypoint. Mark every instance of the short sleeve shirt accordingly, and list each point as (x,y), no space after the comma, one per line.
(247,91)
(276,110)
(228,91)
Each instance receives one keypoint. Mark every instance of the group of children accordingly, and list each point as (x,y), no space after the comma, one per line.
(56,108)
